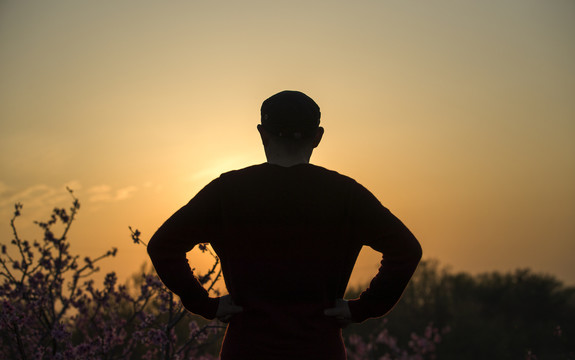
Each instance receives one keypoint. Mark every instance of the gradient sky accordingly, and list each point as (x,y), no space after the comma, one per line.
(458,115)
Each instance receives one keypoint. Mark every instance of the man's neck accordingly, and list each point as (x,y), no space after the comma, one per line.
(287,161)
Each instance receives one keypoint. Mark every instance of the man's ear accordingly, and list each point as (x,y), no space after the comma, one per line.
(317,137)
(264,135)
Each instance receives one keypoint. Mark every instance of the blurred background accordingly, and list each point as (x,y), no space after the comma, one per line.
(458,115)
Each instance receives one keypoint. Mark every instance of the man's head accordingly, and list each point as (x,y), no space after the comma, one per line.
(290,127)
(290,115)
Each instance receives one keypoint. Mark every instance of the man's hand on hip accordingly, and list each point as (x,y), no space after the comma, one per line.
(227,308)
(340,312)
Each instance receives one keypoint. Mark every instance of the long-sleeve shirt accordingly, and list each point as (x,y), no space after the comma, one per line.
(288,239)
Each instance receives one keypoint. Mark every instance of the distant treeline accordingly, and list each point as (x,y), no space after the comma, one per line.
(519,315)
(52,308)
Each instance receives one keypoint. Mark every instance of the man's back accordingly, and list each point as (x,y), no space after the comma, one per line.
(287,253)
(288,238)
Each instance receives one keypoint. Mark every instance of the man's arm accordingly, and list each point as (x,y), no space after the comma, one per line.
(401,254)
(195,223)
(383,232)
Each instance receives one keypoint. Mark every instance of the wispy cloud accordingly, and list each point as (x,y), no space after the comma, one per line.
(3,188)
(105,193)
(38,195)
(36,199)
(42,196)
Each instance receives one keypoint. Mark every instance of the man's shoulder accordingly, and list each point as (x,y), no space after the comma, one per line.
(322,171)
(265,169)
(244,171)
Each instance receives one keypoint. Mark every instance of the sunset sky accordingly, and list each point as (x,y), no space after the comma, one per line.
(458,115)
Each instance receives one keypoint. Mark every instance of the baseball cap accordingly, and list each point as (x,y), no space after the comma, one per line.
(290,114)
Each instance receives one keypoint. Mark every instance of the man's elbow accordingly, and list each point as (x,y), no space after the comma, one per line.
(153,246)
(162,246)
(419,252)
(416,252)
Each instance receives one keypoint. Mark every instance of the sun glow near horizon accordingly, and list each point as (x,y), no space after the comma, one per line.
(458,117)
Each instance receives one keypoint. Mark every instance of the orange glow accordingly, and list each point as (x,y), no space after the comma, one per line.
(457,117)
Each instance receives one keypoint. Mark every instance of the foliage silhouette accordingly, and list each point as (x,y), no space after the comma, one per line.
(51,308)
(515,315)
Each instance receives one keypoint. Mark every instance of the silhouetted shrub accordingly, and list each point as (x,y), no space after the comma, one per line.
(52,309)
(518,315)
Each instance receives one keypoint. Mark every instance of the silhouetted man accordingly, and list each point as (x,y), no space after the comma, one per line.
(288,234)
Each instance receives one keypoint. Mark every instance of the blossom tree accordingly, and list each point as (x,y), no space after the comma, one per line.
(50,307)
